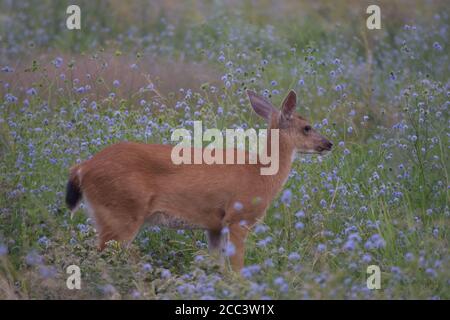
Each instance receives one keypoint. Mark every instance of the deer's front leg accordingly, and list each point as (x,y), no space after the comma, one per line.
(216,244)
(238,234)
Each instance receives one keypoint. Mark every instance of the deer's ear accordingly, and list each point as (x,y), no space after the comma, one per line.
(261,106)
(289,104)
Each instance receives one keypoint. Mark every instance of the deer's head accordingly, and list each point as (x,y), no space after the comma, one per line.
(292,127)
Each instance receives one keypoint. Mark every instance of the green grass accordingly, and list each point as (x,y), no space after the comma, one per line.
(380,198)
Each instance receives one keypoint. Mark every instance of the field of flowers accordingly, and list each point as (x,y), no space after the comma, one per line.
(138,70)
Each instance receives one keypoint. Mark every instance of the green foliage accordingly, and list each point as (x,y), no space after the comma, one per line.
(381,197)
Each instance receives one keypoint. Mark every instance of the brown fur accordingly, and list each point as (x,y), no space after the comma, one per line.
(128,184)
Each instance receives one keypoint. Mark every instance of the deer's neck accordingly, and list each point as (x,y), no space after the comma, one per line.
(274,183)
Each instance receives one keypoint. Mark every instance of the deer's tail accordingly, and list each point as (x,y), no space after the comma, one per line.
(73,189)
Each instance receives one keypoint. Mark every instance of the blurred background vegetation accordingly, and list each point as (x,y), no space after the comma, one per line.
(138,69)
(138,24)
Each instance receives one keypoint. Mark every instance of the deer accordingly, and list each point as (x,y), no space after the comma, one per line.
(129,184)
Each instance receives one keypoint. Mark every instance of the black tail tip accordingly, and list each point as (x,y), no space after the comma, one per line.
(73,194)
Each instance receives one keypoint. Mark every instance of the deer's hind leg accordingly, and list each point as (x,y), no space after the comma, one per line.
(114,224)
(124,234)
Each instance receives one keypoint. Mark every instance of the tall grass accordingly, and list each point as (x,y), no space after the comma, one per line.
(382,97)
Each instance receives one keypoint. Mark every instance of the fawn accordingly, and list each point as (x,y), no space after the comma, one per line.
(128,184)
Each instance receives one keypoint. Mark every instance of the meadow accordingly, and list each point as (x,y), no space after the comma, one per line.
(138,70)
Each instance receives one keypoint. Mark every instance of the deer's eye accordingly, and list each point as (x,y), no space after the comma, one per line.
(307,129)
